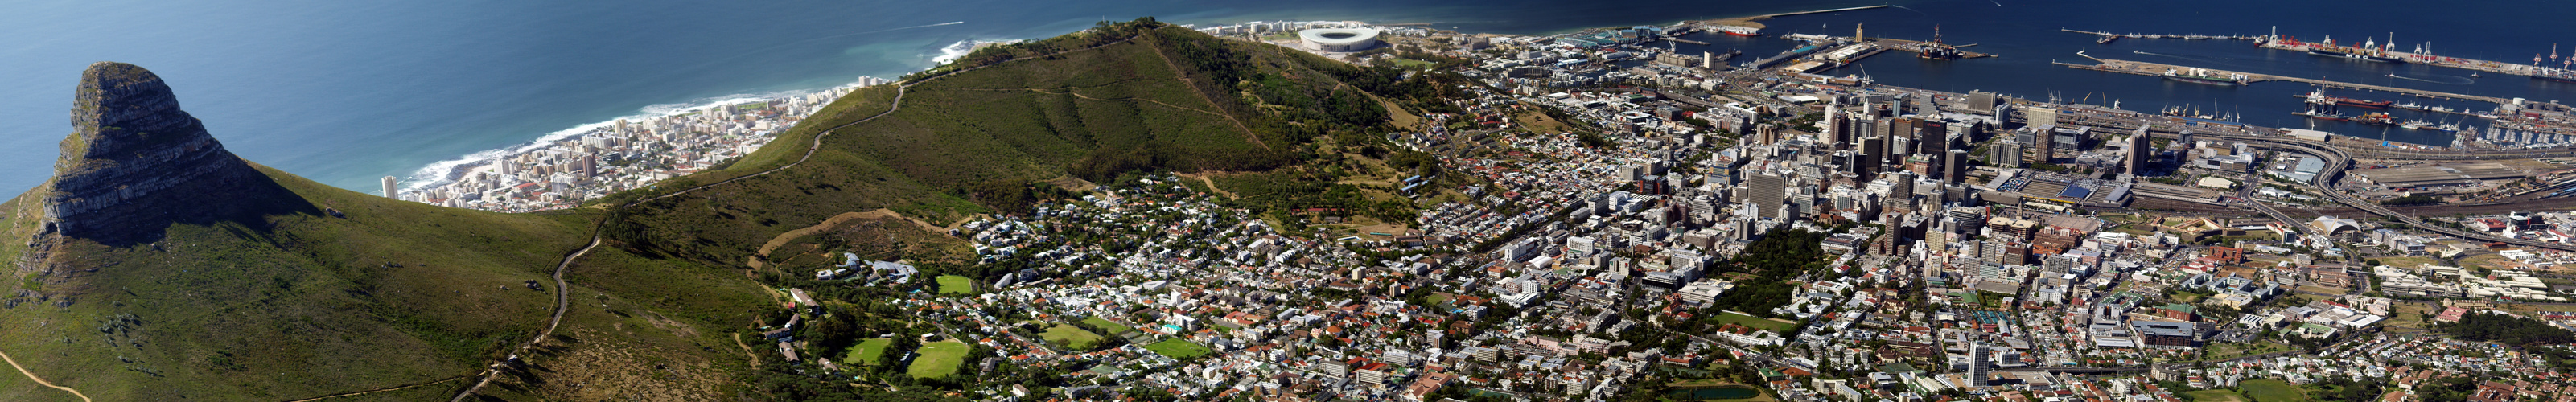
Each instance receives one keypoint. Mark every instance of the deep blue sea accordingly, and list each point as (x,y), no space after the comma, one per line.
(345,92)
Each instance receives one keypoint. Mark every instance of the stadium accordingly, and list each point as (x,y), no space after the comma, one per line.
(1339,39)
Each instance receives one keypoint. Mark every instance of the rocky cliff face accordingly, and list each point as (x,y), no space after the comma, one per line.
(135,163)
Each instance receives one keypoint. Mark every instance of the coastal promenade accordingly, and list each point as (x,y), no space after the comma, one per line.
(2158,70)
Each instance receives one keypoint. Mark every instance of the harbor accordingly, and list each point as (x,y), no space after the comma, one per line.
(2368,50)
(2242,78)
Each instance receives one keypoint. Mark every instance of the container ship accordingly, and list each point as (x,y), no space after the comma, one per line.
(2542,70)
(2331,52)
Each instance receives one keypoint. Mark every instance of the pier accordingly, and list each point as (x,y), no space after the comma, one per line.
(1826,11)
(2107,37)
(2157,70)
(1917,47)
(1687,41)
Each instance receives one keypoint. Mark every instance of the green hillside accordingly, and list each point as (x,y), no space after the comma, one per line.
(394,293)
(974,136)
(324,292)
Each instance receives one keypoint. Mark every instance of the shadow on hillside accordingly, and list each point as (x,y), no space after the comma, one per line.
(243,194)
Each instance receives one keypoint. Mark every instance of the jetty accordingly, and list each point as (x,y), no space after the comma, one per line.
(2107,37)
(2158,70)
(1826,11)
(1751,20)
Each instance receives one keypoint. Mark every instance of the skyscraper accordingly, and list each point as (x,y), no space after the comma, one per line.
(2139,155)
(2005,154)
(2043,144)
(1873,153)
(390,192)
(1978,363)
(1767,191)
(1837,128)
(1931,137)
(1954,169)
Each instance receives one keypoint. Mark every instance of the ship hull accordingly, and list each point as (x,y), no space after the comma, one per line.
(2354,56)
(2205,81)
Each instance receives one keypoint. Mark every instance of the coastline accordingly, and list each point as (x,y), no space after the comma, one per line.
(438,182)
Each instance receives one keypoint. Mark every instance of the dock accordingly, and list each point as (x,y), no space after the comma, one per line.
(1917,47)
(2157,70)
(1687,41)
(1826,11)
(2107,37)
(2494,67)
(1751,21)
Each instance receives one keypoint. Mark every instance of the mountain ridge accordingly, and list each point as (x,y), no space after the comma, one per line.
(258,276)
(134,159)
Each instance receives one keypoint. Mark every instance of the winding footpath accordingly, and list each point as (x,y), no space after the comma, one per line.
(563,296)
(13,363)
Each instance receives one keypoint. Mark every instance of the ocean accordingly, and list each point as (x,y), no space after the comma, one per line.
(346,92)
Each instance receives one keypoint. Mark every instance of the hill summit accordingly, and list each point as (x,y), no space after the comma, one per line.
(135,162)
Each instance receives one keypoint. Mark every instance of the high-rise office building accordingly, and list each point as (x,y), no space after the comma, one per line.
(2043,144)
(2005,154)
(2139,155)
(1767,191)
(1954,169)
(1978,364)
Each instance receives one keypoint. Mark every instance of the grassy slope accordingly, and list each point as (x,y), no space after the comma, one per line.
(867,353)
(316,305)
(1018,121)
(224,311)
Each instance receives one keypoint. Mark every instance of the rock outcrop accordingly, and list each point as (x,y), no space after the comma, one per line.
(135,163)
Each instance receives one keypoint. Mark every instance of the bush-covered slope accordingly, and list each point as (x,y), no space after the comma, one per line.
(1124,97)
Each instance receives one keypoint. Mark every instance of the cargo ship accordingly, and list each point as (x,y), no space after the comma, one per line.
(2332,52)
(2321,97)
(2199,76)
(1740,30)
(2360,103)
(2324,116)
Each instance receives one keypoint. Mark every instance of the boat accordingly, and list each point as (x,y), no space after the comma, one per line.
(2555,74)
(2356,102)
(2199,76)
(2106,39)
(2375,119)
(2330,52)
(2324,116)
(1740,30)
